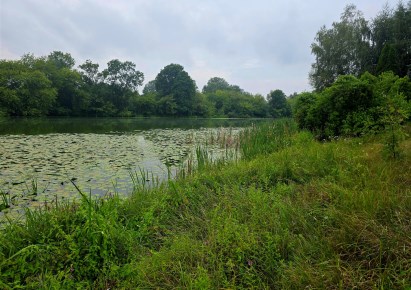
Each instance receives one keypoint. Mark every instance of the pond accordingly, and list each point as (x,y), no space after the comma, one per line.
(42,159)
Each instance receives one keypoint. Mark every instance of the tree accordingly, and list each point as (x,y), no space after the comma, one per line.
(342,50)
(304,104)
(150,87)
(90,72)
(391,39)
(278,105)
(61,59)
(388,59)
(214,84)
(259,106)
(121,80)
(24,91)
(402,38)
(123,74)
(70,99)
(175,84)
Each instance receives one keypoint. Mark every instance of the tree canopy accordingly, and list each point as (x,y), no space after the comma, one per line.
(354,45)
(278,105)
(174,83)
(50,85)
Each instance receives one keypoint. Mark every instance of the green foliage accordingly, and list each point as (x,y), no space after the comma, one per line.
(90,72)
(60,90)
(174,83)
(297,213)
(219,84)
(354,46)
(24,91)
(267,138)
(237,104)
(144,105)
(395,112)
(278,105)
(302,109)
(150,87)
(123,74)
(388,59)
(341,50)
(352,106)
(61,60)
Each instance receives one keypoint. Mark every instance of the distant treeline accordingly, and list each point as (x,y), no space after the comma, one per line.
(51,86)
(355,48)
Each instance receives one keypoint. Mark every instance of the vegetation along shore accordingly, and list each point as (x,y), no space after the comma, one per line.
(319,198)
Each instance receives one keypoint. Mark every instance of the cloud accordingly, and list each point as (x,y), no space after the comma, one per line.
(260,45)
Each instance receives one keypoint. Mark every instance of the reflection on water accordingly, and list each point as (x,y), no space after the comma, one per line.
(34,126)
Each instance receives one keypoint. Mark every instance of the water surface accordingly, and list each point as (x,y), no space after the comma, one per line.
(40,159)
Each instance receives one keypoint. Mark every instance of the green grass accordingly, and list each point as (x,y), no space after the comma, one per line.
(294,213)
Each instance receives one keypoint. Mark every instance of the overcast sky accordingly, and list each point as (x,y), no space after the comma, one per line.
(260,45)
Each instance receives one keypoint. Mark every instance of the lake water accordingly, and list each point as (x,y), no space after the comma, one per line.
(40,159)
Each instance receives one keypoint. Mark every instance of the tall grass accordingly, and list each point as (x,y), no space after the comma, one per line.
(266,138)
(291,215)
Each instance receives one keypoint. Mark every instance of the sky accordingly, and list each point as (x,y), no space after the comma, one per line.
(259,45)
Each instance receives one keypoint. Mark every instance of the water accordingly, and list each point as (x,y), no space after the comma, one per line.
(40,159)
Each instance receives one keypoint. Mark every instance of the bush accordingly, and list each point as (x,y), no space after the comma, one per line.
(352,106)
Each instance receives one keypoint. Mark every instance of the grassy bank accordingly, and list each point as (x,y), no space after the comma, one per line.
(294,213)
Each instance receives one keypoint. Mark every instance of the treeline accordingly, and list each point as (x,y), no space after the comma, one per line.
(361,76)
(354,45)
(51,86)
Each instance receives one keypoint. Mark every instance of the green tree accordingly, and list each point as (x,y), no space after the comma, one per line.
(122,80)
(61,59)
(123,74)
(391,39)
(202,106)
(89,72)
(259,106)
(214,84)
(344,49)
(150,87)
(174,84)
(388,59)
(145,105)
(167,106)
(304,104)
(24,91)
(277,104)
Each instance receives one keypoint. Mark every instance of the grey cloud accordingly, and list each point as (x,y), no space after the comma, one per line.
(260,45)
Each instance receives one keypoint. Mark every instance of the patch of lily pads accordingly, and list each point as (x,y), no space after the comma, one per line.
(36,170)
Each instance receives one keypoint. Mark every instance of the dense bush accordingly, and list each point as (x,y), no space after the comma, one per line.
(354,106)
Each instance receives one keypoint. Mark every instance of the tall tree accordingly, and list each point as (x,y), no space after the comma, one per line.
(89,72)
(122,80)
(341,50)
(61,59)
(175,83)
(391,39)
(123,74)
(214,84)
